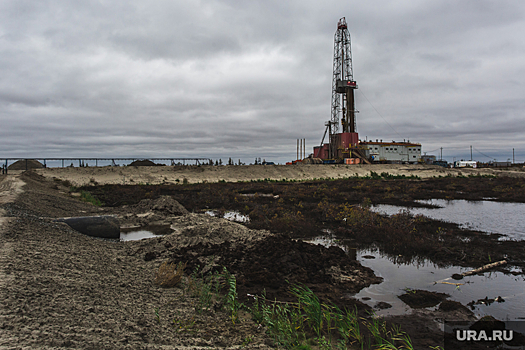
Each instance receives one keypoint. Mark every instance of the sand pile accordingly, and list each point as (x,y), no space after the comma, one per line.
(163,204)
(151,211)
(25,164)
(193,229)
(198,230)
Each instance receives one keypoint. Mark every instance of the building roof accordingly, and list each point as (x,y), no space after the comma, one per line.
(393,143)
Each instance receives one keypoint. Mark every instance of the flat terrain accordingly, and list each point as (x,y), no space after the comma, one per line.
(61,289)
(232,173)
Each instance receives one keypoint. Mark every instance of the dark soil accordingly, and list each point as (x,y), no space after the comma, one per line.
(276,263)
(451,305)
(25,164)
(421,298)
(144,162)
(304,209)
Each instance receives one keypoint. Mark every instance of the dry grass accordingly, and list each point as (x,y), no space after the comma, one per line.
(169,274)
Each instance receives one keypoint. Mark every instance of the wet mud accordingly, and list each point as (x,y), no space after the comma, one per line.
(422,298)
(274,264)
(305,209)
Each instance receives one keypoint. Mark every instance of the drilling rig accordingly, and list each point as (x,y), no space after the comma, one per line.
(344,144)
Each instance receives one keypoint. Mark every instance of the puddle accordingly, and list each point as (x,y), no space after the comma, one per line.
(271,195)
(230,215)
(486,216)
(137,233)
(328,240)
(424,276)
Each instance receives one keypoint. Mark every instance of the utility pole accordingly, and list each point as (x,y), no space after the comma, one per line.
(441,157)
(513,156)
(471,152)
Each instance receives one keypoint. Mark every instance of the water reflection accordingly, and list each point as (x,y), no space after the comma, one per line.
(229,215)
(486,216)
(399,274)
(329,240)
(138,233)
(429,277)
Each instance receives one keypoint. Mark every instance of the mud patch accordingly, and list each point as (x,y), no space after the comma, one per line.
(450,305)
(418,299)
(277,262)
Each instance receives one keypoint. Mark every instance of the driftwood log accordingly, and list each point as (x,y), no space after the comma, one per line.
(484,268)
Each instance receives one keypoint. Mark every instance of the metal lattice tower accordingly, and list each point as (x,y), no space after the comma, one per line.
(343,84)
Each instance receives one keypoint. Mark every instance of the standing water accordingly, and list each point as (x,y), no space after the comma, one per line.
(427,276)
(486,216)
(137,233)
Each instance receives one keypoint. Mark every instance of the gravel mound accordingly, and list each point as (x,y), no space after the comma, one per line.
(25,164)
(158,211)
(163,204)
(144,162)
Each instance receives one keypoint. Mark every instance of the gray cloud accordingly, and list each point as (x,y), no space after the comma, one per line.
(246,79)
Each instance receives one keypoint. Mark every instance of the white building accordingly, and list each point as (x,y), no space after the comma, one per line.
(392,152)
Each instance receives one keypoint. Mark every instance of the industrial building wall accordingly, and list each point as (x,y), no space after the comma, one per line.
(393,152)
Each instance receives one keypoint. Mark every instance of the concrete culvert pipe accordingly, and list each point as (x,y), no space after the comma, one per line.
(95,226)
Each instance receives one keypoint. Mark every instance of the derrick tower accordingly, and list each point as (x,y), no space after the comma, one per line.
(343,83)
(343,137)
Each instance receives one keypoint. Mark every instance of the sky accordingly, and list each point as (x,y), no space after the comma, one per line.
(246,79)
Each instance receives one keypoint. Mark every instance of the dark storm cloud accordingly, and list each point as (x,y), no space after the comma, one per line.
(245,79)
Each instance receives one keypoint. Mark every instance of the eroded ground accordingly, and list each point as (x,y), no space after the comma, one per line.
(65,290)
(307,208)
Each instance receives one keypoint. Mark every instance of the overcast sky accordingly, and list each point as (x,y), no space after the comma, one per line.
(245,79)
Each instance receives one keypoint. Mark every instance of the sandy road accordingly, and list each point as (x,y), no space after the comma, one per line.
(10,188)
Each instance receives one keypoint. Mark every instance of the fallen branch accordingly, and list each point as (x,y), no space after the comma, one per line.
(454,284)
(484,268)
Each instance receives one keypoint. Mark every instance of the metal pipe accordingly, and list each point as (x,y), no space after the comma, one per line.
(304,148)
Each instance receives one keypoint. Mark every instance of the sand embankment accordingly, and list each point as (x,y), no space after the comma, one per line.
(233,173)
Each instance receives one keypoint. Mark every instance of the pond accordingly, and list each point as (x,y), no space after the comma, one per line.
(486,216)
(429,277)
(138,233)
(230,215)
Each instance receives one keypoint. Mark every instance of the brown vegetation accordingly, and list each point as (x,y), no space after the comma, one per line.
(169,274)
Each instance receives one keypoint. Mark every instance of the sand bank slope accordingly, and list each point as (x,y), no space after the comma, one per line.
(231,173)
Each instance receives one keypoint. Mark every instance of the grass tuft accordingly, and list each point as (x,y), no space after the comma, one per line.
(88,197)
